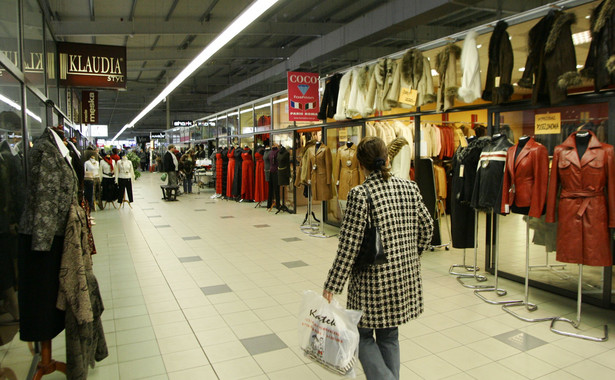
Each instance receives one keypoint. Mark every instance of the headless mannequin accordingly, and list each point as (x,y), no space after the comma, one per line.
(349,144)
(520,145)
(582,140)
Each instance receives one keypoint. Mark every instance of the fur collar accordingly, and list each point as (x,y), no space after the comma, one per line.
(412,65)
(601,14)
(380,71)
(499,32)
(443,57)
(562,21)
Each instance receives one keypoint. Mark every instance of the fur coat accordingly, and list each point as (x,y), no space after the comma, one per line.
(380,84)
(600,62)
(412,71)
(357,103)
(446,66)
(470,89)
(551,62)
(500,66)
(328,104)
(343,97)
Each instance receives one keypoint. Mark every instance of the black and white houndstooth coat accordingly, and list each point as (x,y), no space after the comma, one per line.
(389,294)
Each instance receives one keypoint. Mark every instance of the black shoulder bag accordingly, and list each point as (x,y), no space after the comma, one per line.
(371,251)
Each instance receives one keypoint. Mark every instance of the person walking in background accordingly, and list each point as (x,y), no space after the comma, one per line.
(186,165)
(389,294)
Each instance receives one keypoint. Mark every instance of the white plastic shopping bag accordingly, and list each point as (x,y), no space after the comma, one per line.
(328,333)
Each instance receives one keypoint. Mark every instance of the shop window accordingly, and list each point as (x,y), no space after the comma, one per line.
(246,118)
(233,123)
(9,31)
(51,68)
(33,56)
(262,113)
(35,116)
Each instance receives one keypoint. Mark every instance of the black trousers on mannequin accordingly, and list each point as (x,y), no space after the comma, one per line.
(124,184)
(274,191)
(88,192)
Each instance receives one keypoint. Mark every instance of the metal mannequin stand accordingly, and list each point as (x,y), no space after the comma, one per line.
(468,268)
(474,269)
(495,288)
(528,306)
(283,207)
(310,223)
(446,246)
(577,323)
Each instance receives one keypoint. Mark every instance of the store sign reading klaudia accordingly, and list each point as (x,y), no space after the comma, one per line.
(87,65)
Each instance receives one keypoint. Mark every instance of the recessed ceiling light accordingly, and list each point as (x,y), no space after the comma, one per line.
(522,69)
(581,38)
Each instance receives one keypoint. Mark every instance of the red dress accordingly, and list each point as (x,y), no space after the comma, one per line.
(247,176)
(218,173)
(261,187)
(230,173)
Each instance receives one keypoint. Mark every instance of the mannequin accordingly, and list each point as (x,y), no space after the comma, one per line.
(319,171)
(348,174)
(91,180)
(124,177)
(107,175)
(230,172)
(274,188)
(261,190)
(247,173)
(237,178)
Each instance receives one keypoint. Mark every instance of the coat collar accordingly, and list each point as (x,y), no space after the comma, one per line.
(572,153)
(525,150)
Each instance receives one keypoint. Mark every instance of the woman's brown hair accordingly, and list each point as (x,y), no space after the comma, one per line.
(372,155)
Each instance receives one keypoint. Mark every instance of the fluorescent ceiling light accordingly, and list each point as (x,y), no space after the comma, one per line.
(522,69)
(261,106)
(246,18)
(233,114)
(581,38)
(18,108)
(280,100)
(246,110)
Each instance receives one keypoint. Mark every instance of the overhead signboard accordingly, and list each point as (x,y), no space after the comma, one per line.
(182,123)
(89,65)
(158,135)
(302,96)
(89,107)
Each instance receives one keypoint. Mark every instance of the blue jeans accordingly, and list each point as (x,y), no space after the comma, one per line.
(379,357)
(188,184)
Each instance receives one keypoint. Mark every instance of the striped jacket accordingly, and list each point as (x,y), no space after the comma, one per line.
(389,294)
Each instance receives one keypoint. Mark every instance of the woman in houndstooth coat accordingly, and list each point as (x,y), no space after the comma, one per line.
(389,294)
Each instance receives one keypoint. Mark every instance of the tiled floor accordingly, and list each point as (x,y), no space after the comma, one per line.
(210,293)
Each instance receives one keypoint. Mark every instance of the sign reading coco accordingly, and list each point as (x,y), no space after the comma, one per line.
(547,123)
(87,65)
(89,107)
(303,102)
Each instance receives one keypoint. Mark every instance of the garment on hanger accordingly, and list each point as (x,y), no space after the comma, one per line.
(230,176)
(446,66)
(358,104)
(51,190)
(225,160)
(498,86)
(343,97)
(584,184)
(602,46)
(487,193)
(414,74)
(247,173)
(328,103)
(219,173)
(283,167)
(470,89)
(319,172)
(261,189)
(238,177)
(524,190)
(348,173)
(551,63)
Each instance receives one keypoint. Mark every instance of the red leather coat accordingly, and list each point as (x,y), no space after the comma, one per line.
(526,178)
(586,192)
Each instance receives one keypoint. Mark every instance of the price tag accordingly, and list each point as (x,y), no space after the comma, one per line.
(343,134)
(408,96)
(506,209)
(547,123)
(497,82)
(461,171)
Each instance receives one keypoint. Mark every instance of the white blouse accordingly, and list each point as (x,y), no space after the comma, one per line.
(91,169)
(124,169)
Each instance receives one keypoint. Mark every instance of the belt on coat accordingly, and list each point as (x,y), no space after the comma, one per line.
(587,195)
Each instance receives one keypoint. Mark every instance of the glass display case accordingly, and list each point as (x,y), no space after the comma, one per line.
(233,123)
(286,168)
(33,59)
(246,119)
(262,114)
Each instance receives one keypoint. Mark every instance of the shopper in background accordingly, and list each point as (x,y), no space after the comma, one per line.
(186,165)
(171,165)
(389,294)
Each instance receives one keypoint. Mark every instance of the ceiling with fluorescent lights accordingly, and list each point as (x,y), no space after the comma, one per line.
(163,36)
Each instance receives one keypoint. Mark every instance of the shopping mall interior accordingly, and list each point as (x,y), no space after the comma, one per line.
(178,175)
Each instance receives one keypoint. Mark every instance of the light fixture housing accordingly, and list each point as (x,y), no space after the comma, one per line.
(247,17)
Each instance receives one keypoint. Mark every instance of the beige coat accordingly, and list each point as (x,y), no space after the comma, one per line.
(348,174)
(319,171)
(413,72)
(446,65)
(380,84)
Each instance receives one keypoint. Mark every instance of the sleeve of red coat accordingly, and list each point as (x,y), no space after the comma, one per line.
(506,182)
(541,179)
(610,165)
(553,187)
